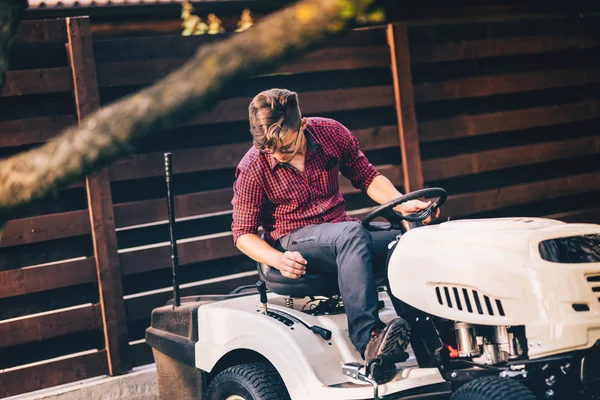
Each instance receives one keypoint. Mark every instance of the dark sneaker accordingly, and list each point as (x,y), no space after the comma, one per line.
(393,338)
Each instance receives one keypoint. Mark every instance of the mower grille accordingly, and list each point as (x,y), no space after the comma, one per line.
(594,282)
(468,300)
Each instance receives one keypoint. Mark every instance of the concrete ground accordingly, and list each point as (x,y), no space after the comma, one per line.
(139,384)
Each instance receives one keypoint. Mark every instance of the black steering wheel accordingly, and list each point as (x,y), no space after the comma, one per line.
(395,219)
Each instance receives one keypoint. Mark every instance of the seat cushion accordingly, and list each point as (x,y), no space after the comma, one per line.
(307,285)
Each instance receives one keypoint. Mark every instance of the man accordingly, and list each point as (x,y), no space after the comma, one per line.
(288,184)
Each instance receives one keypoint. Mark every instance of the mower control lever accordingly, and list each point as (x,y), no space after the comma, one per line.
(324,333)
(262,289)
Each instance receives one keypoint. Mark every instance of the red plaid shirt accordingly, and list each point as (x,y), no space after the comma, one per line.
(281,199)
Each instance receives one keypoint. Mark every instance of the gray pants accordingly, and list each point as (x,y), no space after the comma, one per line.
(357,257)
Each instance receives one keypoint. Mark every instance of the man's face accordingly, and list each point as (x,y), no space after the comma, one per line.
(291,143)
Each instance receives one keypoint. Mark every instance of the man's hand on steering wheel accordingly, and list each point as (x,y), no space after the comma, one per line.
(415,206)
(407,207)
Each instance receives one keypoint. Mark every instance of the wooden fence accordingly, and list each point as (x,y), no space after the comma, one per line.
(504,115)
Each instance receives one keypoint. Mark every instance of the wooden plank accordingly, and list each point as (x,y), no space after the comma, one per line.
(315,102)
(102,220)
(148,48)
(221,157)
(378,137)
(49,325)
(405,107)
(586,216)
(37,81)
(502,84)
(471,203)
(146,211)
(41,31)
(145,72)
(141,305)
(468,49)
(176,46)
(16,282)
(52,373)
(185,160)
(141,354)
(45,227)
(393,172)
(155,258)
(33,130)
(482,124)
(339,58)
(467,164)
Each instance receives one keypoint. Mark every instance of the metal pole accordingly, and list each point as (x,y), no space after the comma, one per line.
(171,204)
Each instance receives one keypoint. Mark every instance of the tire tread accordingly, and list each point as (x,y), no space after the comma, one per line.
(493,388)
(262,377)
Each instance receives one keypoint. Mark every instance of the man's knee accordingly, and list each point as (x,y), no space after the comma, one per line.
(354,231)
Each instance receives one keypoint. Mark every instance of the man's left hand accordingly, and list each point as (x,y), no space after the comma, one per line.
(413,206)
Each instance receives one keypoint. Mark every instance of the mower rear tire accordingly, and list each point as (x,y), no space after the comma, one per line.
(493,388)
(255,381)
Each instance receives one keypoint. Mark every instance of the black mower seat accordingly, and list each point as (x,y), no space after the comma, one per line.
(307,285)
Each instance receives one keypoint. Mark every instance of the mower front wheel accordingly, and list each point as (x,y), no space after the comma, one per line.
(493,388)
(255,381)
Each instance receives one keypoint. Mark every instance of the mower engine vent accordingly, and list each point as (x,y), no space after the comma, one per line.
(468,300)
(594,282)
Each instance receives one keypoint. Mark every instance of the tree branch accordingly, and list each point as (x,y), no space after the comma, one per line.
(11,12)
(113,130)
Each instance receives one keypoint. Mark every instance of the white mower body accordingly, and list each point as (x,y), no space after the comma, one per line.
(310,366)
(495,267)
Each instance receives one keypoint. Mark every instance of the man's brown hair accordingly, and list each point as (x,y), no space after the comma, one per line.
(272,113)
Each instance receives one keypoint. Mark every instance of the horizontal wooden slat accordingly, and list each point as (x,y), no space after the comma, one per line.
(141,354)
(16,282)
(392,172)
(476,202)
(49,325)
(144,72)
(502,84)
(466,164)
(41,31)
(135,72)
(45,227)
(452,51)
(339,58)
(184,161)
(33,130)
(133,262)
(176,46)
(36,81)
(221,157)
(376,138)
(143,212)
(317,102)
(140,307)
(473,125)
(587,215)
(53,373)
(147,48)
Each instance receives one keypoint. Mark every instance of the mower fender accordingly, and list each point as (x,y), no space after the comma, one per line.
(302,358)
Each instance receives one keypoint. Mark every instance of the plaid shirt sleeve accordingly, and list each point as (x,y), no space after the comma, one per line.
(248,200)
(355,165)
